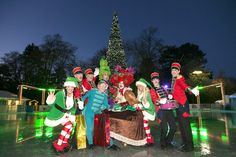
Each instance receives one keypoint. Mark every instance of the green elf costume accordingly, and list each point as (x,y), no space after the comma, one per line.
(63,107)
(147,107)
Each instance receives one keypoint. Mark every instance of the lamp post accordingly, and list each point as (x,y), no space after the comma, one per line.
(198,72)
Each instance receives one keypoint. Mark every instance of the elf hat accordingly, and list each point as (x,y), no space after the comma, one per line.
(143,82)
(104,68)
(88,71)
(71,81)
(77,70)
(175,65)
(154,75)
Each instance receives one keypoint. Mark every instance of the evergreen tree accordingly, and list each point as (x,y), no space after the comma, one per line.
(116,53)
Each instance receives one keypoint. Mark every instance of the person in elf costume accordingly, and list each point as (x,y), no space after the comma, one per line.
(167,119)
(63,107)
(89,82)
(97,103)
(178,93)
(147,107)
(123,96)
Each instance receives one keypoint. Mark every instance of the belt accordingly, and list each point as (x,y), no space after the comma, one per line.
(61,109)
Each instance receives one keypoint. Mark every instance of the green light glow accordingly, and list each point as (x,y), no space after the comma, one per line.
(41,113)
(203,132)
(199,87)
(39,123)
(51,90)
(199,133)
(224,138)
(49,132)
(20,139)
(194,130)
(39,132)
(41,89)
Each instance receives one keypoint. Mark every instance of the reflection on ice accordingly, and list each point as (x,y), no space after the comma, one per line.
(213,134)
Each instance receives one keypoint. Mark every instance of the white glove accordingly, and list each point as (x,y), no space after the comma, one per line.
(163,101)
(81,105)
(96,72)
(170,96)
(195,91)
(138,105)
(51,98)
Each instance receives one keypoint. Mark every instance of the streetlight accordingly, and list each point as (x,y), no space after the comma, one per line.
(197,72)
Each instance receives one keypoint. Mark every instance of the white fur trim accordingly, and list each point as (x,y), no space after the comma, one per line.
(140,83)
(128,140)
(149,116)
(69,83)
(146,105)
(53,123)
(145,118)
(69,102)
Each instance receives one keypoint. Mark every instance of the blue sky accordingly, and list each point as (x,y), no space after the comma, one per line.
(211,24)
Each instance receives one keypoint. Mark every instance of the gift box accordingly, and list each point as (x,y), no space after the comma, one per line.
(80,132)
(101,135)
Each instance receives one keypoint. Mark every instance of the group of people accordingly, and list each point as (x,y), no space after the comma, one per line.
(128,113)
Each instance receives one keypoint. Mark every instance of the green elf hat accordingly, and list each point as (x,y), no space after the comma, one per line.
(71,81)
(104,68)
(143,82)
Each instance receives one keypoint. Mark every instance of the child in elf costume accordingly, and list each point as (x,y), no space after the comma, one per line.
(97,102)
(147,107)
(63,107)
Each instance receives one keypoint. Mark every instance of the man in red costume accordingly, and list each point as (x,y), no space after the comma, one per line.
(89,82)
(178,92)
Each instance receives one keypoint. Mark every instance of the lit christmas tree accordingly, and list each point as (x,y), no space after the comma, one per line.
(116,53)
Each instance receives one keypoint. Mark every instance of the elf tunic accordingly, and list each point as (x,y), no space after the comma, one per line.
(97,101)
(148,107)
(61,108)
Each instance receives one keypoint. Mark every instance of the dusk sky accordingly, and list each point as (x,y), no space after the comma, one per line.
(211,24)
